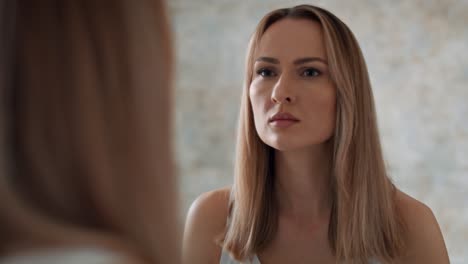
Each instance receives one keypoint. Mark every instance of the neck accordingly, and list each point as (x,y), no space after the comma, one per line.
(303,181)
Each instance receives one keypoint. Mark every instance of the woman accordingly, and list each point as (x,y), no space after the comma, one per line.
(310,182)
(86,166)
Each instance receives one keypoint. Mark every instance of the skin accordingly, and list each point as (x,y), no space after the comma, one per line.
(285,79)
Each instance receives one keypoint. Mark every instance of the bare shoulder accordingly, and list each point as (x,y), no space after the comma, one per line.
(206,221)
(210,210)
(425,243)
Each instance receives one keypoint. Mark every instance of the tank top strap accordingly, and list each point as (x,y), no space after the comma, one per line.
(227,259)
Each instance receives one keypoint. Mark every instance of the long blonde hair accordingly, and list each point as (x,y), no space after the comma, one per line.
(364,221)
(86,127)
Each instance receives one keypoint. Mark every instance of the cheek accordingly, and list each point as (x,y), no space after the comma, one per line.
(260,103)
(322,111)
(325,101)
(327,106)
(260,99)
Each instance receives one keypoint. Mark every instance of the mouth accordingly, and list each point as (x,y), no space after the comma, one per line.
(283,119)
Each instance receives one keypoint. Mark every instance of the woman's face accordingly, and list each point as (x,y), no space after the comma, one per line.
(292,96)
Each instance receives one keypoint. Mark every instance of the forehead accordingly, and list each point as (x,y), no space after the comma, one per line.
(292,38)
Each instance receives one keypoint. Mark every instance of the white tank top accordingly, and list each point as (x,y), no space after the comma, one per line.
(227,259)
(62,256)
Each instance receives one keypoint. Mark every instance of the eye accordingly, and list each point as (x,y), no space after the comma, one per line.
(266,72)
(310,72)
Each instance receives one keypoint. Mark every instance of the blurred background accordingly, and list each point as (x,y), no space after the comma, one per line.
(416,53)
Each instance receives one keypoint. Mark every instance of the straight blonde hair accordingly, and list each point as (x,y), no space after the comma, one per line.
(86,128)
(364,221)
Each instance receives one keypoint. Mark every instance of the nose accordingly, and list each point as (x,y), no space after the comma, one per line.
(282,92)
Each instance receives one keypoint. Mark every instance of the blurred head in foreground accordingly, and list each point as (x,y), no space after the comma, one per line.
(85,128)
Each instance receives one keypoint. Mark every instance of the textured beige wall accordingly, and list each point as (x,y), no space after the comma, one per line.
(418,61)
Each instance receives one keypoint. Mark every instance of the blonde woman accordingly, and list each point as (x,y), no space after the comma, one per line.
(310,182)
(86,167)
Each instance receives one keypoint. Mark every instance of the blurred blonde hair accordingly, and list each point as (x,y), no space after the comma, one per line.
(364,221)
(86,127)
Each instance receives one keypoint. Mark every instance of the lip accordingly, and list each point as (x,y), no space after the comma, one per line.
(283,119)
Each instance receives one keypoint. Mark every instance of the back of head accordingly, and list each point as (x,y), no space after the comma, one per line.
(86,126)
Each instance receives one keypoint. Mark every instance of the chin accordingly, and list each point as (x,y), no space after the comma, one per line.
(286,144)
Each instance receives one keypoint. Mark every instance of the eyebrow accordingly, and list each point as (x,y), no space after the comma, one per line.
(296,62)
